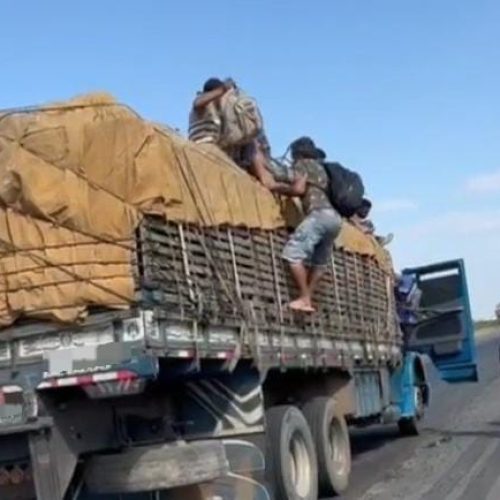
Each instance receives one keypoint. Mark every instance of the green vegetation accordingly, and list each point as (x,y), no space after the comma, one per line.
(486,323)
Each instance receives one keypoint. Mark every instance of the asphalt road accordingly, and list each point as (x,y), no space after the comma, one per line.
(456,457)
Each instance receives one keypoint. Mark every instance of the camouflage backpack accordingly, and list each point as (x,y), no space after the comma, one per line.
(241,119)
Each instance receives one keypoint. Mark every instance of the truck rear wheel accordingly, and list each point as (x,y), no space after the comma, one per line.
(331,439)
(291,459)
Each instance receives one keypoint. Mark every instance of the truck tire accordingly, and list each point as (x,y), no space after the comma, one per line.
(291,466)
(331,439)
(227,489)
(409,426)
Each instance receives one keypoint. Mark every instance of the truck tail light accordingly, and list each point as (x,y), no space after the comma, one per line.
(15,474)
(100,385)
(11,394)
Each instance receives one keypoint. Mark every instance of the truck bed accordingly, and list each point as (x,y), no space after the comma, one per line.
(236,278)
(222,293)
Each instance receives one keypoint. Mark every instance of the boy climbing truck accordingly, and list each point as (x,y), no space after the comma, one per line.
(309,248)
(145,344)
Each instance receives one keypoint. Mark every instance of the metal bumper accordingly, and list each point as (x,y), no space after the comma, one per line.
(158,467)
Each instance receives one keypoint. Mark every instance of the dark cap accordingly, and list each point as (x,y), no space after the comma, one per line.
(320,154)
(365,202)
(364,209)
(212,84)
(303,147)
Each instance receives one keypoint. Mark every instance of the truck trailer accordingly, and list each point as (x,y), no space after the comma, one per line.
(194,380)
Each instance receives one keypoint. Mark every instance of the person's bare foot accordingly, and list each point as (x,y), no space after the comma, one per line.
(302,305)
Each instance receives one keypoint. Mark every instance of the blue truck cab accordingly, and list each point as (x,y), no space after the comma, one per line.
(436,320)
(444,329)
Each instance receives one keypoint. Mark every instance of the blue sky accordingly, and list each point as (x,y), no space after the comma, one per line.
(405,92)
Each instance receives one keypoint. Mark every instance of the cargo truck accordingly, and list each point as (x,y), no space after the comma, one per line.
(207,386)
(165,396)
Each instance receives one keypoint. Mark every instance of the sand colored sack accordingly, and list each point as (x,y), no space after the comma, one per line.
(55,273)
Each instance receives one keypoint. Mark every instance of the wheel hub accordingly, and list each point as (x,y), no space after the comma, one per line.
(338,450)
(300,465)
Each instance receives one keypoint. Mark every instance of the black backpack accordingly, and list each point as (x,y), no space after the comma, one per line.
(345,188)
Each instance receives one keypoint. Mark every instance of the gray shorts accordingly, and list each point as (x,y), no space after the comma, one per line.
(243,155)
(312,241)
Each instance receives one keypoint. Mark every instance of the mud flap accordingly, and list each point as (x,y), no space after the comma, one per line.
(52,462)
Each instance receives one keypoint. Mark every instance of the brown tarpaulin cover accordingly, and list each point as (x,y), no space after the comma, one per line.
(75,179)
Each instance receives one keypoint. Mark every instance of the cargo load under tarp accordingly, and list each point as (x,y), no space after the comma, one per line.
(75,182)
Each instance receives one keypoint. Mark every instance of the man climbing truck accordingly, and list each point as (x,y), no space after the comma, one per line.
(145,343)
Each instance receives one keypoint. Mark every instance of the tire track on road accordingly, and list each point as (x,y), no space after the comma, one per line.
(455,460)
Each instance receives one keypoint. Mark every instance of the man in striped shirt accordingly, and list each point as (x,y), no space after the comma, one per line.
(206,126)
(204,121)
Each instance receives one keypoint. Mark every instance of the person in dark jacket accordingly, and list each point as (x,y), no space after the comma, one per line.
(361,218)
(362,221)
